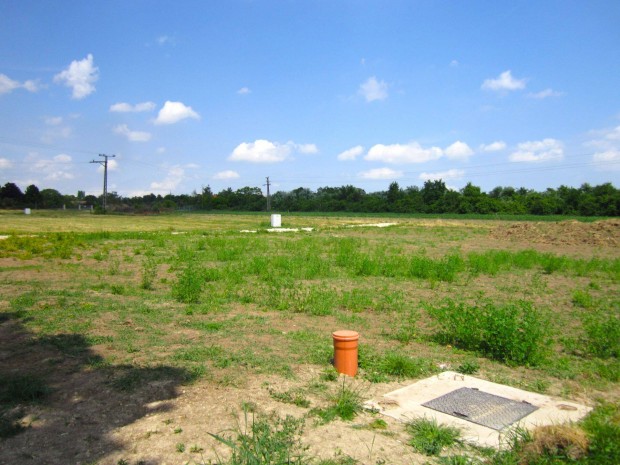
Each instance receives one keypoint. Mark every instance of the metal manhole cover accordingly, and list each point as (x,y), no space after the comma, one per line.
(481,408)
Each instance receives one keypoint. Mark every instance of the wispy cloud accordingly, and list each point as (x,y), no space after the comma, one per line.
(545,94)
(133,136)
(607,145)
(372,89)
(123,107)
(224,175)
(244,91)
(538,151)
(443,175)
(8,85)
(381,173)
(57,168)
(493,146)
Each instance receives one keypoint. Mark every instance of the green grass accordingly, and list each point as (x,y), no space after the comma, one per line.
(515,333)
(429,437)
(345,404)
(217,306)
(263,440)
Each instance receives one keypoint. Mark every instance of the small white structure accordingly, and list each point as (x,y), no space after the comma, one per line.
(276,221)
(27,211)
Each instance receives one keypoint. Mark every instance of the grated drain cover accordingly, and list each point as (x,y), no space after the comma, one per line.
(481,408)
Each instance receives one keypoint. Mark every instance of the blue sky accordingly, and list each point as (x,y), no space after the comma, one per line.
(310,93)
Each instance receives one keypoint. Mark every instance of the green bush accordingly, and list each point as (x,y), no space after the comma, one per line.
(602,335)
(514,333)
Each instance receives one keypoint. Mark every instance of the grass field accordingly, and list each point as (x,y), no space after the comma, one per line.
(137,336)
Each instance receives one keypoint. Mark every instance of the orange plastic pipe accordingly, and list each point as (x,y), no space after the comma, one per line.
(345,351)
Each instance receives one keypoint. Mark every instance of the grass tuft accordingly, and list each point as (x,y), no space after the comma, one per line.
(430,438)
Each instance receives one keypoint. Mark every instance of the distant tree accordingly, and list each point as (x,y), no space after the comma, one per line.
(394,195)
(51,198)
(432,194)
(32,196)
(11,196)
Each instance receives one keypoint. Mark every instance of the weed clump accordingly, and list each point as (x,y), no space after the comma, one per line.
(514,333)
(265,440)
(430,438)
(346,404)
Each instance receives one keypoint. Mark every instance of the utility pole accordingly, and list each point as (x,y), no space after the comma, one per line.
(105,177)
(268,196)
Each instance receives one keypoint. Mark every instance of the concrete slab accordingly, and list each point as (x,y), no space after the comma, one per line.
(405,404)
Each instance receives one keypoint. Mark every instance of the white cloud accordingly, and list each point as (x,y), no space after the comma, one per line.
(5,163)
(161,150)
(173,112)
(614,134)
(228,174)
(458,151)
(62,158)
(59,175)
(8,85)
(374,90)
(265,151)
(381,173)
(123,107)
(545,94)
(244,91)
(504,81)
(612,156)
(261,151)
(112,166)
(163,40)
(306,148)
(607,143)
(56,132)
(454,63)
(133,136)
(538,151)
(174,177)
(80,76)
(53,120)
(57,168)
(493,146)
(443,175)
(403,153)
(351,154)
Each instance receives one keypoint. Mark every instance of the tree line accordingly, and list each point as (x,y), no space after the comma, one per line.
(433,197)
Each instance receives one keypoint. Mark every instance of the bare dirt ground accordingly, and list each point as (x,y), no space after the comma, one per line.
(85,421)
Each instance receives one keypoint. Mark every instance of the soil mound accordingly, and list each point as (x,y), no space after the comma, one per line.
(600,233)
